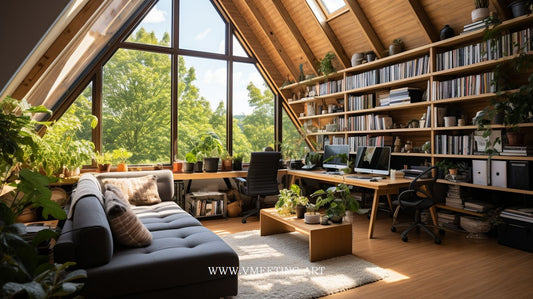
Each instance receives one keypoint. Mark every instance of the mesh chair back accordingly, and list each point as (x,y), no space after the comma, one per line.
(263,174)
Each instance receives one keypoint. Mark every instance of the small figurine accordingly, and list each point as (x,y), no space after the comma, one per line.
(397,145)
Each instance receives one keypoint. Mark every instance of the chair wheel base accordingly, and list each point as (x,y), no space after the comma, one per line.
(243,221)
(438,241)
(405,239)
(393,229)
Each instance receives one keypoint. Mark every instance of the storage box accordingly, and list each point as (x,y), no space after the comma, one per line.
(479,171)
(517,234)
(498,173)
(206,204)
(519,175)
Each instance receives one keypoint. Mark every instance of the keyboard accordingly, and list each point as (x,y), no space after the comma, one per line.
(333,172)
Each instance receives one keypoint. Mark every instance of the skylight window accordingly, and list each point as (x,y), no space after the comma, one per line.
(332,6)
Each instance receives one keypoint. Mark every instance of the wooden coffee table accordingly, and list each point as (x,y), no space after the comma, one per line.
(325,241)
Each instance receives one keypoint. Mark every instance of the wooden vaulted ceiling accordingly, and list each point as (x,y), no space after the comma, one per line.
(285,33)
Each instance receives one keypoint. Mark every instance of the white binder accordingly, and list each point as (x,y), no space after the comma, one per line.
(479,171)
(498,173)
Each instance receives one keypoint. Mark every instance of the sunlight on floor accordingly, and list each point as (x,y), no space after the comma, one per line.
(389,276)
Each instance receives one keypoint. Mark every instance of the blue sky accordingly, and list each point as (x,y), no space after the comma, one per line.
(205,32)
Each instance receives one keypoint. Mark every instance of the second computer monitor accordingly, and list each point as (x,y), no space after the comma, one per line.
(333,153)
(373,160)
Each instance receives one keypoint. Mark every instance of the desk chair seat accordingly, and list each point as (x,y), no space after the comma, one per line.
(418,196)
(262,179)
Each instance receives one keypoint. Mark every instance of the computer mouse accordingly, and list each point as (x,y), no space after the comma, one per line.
(373,180)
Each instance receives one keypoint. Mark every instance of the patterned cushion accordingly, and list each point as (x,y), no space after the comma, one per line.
(126,227)
(138,191)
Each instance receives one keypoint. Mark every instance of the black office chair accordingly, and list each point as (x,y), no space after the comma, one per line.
(419,197)
(262,179)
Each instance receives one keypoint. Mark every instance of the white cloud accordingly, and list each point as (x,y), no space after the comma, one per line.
(155,16)
(202,35)
(222,46)
(217,76)
(257,79)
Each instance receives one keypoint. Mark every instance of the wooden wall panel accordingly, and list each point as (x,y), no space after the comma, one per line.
(454,13)
(394,19)
(350,34)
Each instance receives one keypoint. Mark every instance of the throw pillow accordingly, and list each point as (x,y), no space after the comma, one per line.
(137,191)
(127,229)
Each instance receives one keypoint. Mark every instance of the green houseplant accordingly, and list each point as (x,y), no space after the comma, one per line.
(514,93)
(104,160)
(190,160)
(23,272)
(120,156)
(209,148)
(338,199)
(291,201)
(325,65)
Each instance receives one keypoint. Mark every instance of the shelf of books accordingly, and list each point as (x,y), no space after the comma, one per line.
(407,96)
(206,204)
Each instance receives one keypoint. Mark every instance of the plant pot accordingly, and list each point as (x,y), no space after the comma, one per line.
(226,165)
(122,167)
(336,218)
(71,172)
(515,138)
(27,215)
(237,165)
(349,216)
(312,218)
(395,49)
(188,167)
(300,211)
(177,166)
(370,56)
(104,167)
(199,166)
(453,171)
(357,58)
(211,164)
(480,14)
(519,8)
(296,164)
(446,32)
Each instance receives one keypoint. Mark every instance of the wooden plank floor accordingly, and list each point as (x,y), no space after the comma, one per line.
(458,268)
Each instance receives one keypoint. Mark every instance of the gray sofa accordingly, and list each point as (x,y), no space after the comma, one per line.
(175,264)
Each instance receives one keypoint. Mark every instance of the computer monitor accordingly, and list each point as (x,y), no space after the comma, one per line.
(373,160)
(336,163)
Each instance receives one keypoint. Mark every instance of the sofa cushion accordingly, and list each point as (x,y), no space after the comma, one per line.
(138,190)
(164,215)
(176,257)
(165,180)
(126,227)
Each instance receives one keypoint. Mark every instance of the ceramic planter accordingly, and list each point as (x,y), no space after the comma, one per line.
(211,164)
(188,167)
(122,167)
(300,211)
(199,166)
(480,14)
(312,218)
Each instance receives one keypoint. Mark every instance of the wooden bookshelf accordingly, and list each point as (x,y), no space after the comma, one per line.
(402,113)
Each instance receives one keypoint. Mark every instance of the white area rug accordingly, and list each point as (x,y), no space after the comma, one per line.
(278,266)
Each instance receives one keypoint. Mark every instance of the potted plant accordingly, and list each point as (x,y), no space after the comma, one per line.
(25,273)
(291,201)
(443,167)
(190,160)
(226,161)
(208,149)
(520,7)
(325,65)
(338,199)
(104,160)
(311,216)
(482,10)
(237,161)
(514,99)
(396,46)
(120,156)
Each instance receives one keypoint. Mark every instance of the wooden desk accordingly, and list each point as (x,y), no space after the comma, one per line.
(381,187)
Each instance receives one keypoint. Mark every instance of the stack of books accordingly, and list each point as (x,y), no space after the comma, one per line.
(448,220)
(517,150)
(522,214)
(475,26)
(477,206)
(453,197)
(405,95)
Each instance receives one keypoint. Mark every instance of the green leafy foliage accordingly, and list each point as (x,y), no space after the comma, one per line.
(288,199)
(338,199)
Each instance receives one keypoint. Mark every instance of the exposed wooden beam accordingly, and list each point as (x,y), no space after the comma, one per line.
(55,49)
(424,21)
(308,54)
(269,32)
(368,30)
(243,29)
(333,41)
(501,9)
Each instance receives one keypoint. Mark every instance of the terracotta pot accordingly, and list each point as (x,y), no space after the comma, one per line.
(177,166)
(226,165)
(515,138)
(122,167)
(104,167)
(27,215)
(453,171)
